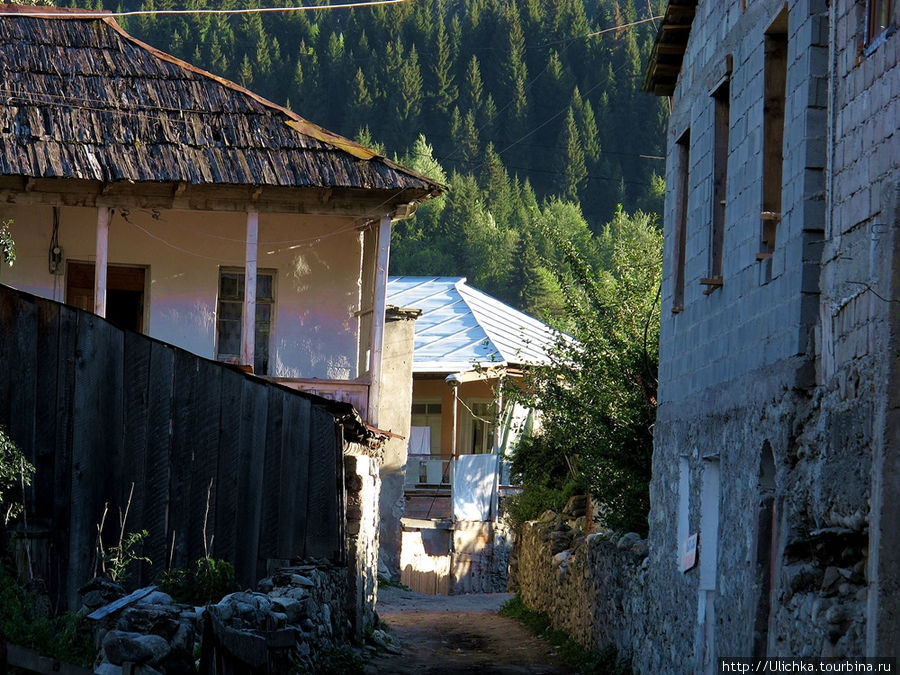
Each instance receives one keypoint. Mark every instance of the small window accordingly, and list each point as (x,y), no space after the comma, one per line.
(229,317)
(428,414)
(476,426)
(880,19)
(682,189)
(721,102)
(773,140)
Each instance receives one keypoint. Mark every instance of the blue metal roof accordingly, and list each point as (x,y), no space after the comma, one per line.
(462,328)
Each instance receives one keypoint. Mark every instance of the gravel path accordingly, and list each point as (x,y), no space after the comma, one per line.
(448,634)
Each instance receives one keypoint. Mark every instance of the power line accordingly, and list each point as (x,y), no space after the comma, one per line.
(624,25)
(174,12)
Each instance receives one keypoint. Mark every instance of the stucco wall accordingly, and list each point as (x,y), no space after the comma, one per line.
(317,262)
(394,416)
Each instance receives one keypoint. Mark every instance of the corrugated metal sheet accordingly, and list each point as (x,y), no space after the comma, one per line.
(460,327)
(80,98)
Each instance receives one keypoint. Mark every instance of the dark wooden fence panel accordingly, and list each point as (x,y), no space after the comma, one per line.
(98,409)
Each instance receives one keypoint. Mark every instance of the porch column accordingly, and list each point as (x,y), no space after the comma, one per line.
(103,216)
(381,279)
(248,333)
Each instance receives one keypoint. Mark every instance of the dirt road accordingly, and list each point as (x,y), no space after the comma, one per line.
(459,634)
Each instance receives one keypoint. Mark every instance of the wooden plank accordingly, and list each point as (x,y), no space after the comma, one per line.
(272,468)
(254,410)
(22,363)
(7,342)
(136,377)
(42,488)
(157,470)
(95,456)
(229,470)
(32,661)
(294,478)
(116,605)
(322,504)
(182,456)
(207,412)
(62,470)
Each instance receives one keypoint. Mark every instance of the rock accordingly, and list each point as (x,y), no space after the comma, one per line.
(641,548)
(561,557)
(93,599)
(265,585)
(831,576)
(107,668)
(835,614)
(384,641)
(628,541)
(547,516)
(156,598)
(293,609)
(121,646)
(300,580)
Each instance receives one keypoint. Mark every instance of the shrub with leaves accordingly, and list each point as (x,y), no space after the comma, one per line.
(15,474)
(598,397)
(205,583)
(7,245)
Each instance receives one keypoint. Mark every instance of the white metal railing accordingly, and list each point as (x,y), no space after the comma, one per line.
(429,470)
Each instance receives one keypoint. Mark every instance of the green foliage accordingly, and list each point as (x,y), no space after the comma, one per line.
(340,661)
(582,660)
(384,582)
(7,245)
(24,621)
(117,560)
(204,583)
(16,473)
(544,107)
(598,397)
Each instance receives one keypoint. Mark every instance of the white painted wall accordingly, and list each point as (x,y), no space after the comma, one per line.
(317,262)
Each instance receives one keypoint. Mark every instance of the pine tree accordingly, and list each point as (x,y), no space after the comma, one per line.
(445,90)
(574,170)
(410,89)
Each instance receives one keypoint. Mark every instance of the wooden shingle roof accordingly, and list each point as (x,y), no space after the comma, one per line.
(82,99)
(662,72)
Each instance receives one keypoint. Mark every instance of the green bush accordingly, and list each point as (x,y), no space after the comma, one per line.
(66,638)
(205,583)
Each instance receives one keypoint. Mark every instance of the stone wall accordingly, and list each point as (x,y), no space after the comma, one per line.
(592,587)
(363,487)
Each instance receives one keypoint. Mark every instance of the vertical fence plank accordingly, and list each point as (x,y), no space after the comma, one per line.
(157,469)
(136,374)
(96,444)
(250,484)
(182,457)
(22,365)
(228,467)
(8,331)
(272,468)
(294,478)
(207,412)
(322,505)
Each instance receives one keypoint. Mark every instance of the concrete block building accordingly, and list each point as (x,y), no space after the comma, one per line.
(774,518)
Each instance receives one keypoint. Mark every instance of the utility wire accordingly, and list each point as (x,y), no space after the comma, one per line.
(175,12)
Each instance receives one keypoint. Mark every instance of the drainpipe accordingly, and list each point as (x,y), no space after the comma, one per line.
(248,334)
(103,217)
(381,279)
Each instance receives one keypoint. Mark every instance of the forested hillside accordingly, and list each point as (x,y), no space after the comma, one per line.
(529,110)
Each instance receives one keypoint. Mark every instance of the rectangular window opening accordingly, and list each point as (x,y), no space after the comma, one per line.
(722,104)
(776,48)
(682,189)
(229,317)
(880,20)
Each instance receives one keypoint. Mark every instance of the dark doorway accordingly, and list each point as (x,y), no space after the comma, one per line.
(124,292)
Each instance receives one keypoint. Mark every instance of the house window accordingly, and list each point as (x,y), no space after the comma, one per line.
(880,19)
(229,317)
(476,426)
(776,48)
(426,415)
(682,188)
(721,101)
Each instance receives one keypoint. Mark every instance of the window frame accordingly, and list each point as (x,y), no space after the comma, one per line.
(271,302)
(873,40)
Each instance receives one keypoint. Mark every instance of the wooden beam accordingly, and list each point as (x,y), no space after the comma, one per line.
(103,217)
(248,334)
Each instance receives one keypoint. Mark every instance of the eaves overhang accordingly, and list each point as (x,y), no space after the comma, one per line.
(664,66)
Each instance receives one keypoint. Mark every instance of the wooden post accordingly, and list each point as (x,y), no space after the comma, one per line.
(248,334)
(381,279)
(103,216)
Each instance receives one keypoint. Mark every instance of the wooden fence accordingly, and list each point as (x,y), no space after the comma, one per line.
(97,409)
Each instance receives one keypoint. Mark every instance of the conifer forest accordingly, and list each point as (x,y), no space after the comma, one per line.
(530,111)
